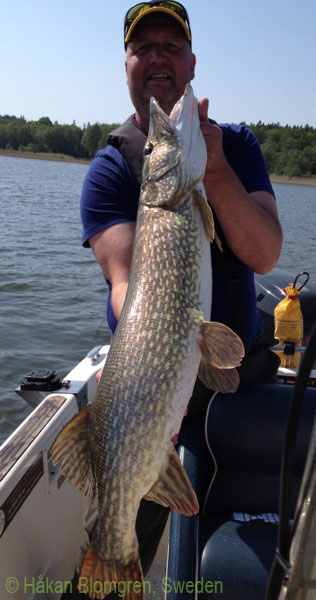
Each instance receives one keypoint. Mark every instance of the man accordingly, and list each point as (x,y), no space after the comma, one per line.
(159,63)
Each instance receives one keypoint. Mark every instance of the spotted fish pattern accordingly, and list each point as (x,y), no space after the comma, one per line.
(119,450)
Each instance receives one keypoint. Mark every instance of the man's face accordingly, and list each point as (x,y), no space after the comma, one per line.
(159,63)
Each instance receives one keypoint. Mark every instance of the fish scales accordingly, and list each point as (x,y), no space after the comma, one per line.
(123,439)
(134,400)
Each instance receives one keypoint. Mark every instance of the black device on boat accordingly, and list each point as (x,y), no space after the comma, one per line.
(41,380)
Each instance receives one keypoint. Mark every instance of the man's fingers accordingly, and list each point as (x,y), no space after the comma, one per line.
(203,109)
(98,375)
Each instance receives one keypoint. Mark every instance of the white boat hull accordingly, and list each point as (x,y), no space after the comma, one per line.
(41,514)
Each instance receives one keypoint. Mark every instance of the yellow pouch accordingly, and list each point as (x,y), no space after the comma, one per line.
(288,323)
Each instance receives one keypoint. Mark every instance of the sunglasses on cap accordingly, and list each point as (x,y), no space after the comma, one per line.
(137,12)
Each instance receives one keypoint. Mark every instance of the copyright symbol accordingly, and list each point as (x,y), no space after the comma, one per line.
(12,585)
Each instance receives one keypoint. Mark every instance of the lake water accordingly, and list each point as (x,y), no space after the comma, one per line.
(52,291)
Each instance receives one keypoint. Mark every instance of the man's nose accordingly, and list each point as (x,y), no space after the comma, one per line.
(156,53)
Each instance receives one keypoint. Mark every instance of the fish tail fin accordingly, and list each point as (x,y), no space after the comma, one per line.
(72,448)
(99,577)
(222,350)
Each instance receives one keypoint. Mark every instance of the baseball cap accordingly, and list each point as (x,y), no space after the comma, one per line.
(143,9)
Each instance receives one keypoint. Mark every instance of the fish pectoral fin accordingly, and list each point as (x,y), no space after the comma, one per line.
(220,346)
(206,214)
(173,488)
(100,576)
(219,380)
(222,350)
(72,448)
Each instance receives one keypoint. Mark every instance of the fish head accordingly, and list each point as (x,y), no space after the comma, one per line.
(174,154)
(161,160)
(186,122)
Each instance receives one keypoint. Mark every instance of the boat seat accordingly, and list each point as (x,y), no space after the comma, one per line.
(236,530)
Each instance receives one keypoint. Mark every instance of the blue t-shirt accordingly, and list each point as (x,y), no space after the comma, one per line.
(110,195)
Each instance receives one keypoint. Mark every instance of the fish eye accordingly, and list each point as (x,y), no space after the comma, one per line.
(148,148)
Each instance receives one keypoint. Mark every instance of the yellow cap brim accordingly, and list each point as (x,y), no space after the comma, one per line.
(154,9)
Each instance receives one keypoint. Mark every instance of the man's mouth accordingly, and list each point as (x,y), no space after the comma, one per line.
(158,77)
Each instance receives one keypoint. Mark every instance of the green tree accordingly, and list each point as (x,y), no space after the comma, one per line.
(73,137)
(45,121)
(91,138)
(307,161)
(270,153)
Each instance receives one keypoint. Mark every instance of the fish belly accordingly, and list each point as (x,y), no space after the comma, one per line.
(191,365)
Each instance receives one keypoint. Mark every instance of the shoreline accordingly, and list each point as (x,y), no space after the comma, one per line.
(293,180)
(44,156)
(85,161)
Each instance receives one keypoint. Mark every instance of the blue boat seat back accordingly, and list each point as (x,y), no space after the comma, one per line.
(246,433)
(237,533)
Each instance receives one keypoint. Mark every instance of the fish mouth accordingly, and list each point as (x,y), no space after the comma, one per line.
(159,120)
(180,106)
(182,121)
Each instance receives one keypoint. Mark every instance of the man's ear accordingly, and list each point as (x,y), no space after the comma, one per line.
(126,72)
(192,70)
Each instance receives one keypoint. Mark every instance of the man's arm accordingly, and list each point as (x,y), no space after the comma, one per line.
(113,250)
(249,221)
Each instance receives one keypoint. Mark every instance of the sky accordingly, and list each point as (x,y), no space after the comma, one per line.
(256,60)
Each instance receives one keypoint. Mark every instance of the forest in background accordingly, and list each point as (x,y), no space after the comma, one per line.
(288,150)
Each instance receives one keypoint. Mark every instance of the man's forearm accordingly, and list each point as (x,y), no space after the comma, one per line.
(249,221)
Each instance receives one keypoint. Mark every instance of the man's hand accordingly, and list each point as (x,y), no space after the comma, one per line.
(98,375)
(175,438)
(213,139)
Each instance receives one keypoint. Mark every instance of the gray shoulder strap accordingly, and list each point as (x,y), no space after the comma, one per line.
(130,141)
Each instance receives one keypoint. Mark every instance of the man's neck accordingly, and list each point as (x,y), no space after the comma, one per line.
(142,122)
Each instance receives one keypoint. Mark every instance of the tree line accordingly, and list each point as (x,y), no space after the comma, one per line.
(288,150)
(45,136)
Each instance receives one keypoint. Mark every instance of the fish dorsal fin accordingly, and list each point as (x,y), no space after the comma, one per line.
(72,448)
(218,242)
(173,488)
(207,218)
(222,350)
(206,214)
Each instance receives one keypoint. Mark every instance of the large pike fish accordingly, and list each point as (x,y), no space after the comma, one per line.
(118,449)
